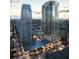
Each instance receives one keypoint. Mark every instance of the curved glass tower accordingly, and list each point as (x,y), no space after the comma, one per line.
(49,17)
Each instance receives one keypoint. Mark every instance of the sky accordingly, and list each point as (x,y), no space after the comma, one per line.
(36,6)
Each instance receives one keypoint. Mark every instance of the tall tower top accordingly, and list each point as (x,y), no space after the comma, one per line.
(26,6)
(26,10)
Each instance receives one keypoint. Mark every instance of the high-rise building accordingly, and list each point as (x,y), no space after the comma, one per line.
(36,26)
(64,29)
(49,17)
(15,42)
(24,25)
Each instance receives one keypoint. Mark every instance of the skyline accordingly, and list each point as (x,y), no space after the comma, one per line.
(36,6)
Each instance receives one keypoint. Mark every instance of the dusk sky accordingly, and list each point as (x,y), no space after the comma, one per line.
(36,6)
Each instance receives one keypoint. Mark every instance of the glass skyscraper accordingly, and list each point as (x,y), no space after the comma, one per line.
(25,25)
(64,29)
(49,17)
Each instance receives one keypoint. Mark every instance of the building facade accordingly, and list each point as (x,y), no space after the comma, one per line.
(36,26)
(24,25)
(15,42)
(64,29)
(49,17)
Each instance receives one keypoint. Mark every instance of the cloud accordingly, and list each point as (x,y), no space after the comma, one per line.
(15,1)
(36,12)
(63,11)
